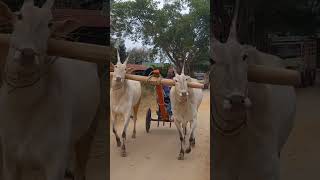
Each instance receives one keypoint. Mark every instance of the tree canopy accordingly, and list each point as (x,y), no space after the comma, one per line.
(180,29)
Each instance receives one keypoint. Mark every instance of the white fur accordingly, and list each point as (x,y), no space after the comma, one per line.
(40,124)
(185,111)
(124,98)
(252,153)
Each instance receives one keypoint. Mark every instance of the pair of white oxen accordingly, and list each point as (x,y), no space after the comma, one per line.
(125,96)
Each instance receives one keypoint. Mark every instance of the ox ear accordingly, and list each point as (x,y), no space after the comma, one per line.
(6,14)
(129,70)
(63,28)
(218,51)
(175,71)
(48,4)
(251,54)
(111,64)
(126,61)
(212,62)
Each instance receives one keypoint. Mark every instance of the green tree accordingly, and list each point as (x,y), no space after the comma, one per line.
(180,36)
(140,55)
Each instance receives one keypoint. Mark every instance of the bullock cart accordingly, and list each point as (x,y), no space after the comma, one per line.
(256,73)
(96,140)
(162,91)
(164,105)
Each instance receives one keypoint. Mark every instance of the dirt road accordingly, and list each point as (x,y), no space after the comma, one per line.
(300,157)
(154,155)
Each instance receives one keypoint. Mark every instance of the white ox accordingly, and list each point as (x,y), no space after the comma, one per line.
(185,103)
(251,122)
(47,104)
(125,96)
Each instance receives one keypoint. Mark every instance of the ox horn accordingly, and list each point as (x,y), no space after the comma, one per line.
(31,2)
(48,4)
(233,28)
(126,61)
(182,71)
(118,57)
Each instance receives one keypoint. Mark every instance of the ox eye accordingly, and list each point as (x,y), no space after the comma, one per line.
(212,62)
(19,16)
(50,24)
(244,57)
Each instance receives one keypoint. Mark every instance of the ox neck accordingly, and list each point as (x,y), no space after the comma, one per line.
(30,93)
(119,89)
(187,99)
(227,123)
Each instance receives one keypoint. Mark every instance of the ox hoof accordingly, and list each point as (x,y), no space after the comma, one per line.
(181,157)
(69,175)
(119,143)
(188,150)
(123,154)
(193,143)
(133,136)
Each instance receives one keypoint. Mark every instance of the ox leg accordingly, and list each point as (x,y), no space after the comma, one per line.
(135,117)
(192,139)
(124,134)
(179,128)
(113,116)
(55,169)
(10,169)
(83,147)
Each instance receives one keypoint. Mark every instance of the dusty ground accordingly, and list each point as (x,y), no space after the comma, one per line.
(154,155)
(300,157)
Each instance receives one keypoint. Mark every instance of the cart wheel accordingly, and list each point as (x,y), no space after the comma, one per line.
(148,120)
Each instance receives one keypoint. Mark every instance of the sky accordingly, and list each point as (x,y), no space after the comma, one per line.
(131,44)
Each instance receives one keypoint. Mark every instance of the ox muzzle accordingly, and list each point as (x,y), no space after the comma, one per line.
(236,99)
(26,57)
(183,94)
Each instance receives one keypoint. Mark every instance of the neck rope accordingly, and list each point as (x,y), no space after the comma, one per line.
(223,129)
(15,82)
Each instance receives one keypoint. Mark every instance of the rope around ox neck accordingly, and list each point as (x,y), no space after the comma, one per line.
(15,85)
(223,131)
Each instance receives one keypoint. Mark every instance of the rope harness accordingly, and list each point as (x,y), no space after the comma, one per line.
(226,131)
(15,82)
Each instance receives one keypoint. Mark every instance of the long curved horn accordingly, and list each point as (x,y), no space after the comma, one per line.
(126,61)
(48,4)
(182,71)
(118,56)
(233,28)
(174,70)
(30,2)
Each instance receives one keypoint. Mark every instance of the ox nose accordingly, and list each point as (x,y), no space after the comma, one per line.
(118,79)
(28,56)
(236,100)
